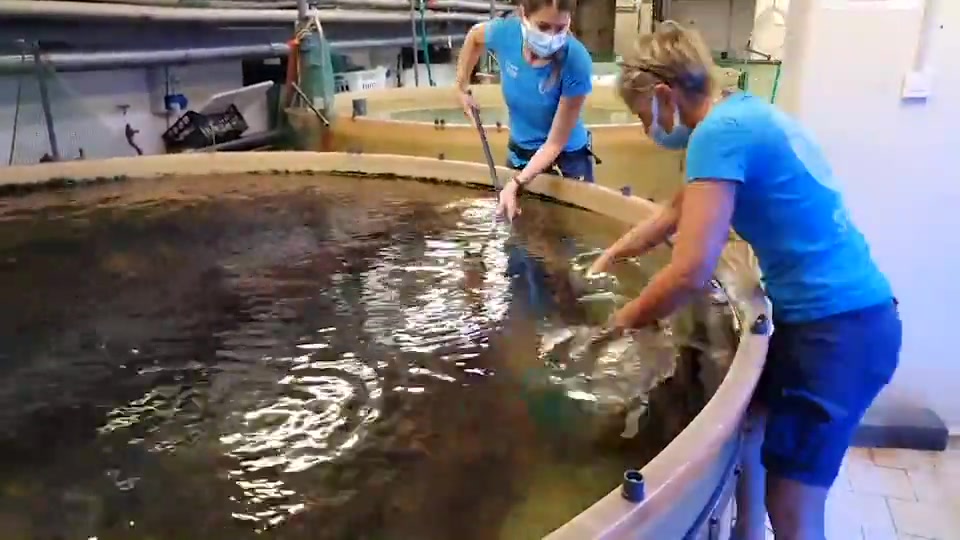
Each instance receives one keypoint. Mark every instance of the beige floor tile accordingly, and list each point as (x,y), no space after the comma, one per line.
(879,534)
(858,454)
(949,462)
(849,514)
(924,519)
(909,460)
(869,479)
(936,487)
(843,479)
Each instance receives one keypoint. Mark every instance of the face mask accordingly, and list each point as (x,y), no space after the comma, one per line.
(675,140)
(542,44)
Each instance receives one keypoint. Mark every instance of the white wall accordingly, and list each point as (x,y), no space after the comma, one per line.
(724,24)
(87,110)
(844,66)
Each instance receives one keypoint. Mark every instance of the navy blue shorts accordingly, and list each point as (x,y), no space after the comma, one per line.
(576,165)
(818,381)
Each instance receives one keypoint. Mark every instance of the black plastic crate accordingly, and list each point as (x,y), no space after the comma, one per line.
(194,130)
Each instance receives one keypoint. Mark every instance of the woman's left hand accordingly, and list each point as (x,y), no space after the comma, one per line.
(507,205)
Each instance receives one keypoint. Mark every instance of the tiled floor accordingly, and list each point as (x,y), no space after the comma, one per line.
(896,495)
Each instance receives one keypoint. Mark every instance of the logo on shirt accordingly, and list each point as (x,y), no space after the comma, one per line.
(807,152)
(511,70)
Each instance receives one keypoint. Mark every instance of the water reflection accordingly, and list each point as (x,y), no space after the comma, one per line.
(297,358)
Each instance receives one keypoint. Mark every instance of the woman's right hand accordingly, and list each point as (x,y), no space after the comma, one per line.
(467,103)
(602,264)
(507,206)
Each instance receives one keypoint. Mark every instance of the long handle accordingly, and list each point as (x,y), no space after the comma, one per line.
(486,147)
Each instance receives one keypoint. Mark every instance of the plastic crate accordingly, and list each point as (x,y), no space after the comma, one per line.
(368,79)
(194,130)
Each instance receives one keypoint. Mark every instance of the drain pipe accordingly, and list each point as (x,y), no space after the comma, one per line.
(413,37)
(45,103)
(95,61)
(54,9)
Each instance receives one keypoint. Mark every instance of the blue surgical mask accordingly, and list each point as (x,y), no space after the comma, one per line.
(676,139)
(541,43)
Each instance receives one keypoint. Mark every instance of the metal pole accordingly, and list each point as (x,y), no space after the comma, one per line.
(413,34)
(45,103)
(92,61)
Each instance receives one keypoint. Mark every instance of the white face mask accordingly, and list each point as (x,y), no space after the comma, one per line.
(541,43)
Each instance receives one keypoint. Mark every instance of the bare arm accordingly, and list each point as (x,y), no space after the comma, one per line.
(473,47)
(703,230)
(568,111)
(644,236)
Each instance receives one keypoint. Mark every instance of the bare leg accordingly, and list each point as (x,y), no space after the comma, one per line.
(796,510)
(751,511)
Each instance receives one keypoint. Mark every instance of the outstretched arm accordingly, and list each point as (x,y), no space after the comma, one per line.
(703,230)
(643,237)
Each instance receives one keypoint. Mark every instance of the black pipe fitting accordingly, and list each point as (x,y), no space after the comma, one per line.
(761,326)
(359,107)
(632,488)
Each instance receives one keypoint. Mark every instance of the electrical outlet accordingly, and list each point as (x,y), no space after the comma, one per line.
(917,85)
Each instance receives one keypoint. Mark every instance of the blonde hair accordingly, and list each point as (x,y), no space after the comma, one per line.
(673,55)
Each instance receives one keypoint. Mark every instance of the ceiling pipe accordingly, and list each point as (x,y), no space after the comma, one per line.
(464,5)
(95,61)
(77,10)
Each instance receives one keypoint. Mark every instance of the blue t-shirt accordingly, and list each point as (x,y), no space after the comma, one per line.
(814,260)
(531,98)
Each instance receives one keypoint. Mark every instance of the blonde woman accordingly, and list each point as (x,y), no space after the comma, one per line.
(837,333)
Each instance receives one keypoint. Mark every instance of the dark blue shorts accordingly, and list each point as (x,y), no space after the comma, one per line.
(818,381)
(577,165)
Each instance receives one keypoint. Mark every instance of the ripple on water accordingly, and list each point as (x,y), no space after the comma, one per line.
(295,360)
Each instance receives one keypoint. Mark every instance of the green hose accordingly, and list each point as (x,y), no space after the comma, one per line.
(424,43)
(776,84)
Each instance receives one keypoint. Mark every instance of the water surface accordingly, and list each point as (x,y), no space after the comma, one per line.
(298,357)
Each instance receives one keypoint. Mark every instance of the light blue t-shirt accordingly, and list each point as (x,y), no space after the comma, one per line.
(815,262)
(531,98)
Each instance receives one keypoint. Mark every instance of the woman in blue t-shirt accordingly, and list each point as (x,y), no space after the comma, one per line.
(545,77)
(837,333)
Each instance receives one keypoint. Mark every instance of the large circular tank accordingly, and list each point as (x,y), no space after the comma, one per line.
(687,485)
(426,122)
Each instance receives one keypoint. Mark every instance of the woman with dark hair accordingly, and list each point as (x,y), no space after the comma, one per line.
(545,74)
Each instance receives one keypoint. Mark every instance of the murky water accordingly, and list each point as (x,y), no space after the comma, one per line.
(309,358)
(490,116)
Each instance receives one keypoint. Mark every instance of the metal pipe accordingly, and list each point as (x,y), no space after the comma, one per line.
(302,10)
(413,36)
(45,104)
(54,9)
(730,26)
(465,5)
(94,61)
